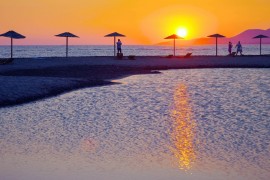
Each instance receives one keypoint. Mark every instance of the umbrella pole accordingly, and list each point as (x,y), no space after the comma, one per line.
(260,46)
(66,46)
(114,44)
(216,46)
(11,47)
(174,46)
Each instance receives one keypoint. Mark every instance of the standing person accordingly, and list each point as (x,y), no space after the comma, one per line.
(239,48)
(119,44)
(230,48)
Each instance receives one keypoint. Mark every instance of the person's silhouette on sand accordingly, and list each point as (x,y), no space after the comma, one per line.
(239,48)
(119,44)
(230,48)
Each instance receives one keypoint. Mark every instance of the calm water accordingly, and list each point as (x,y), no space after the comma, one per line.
(60,51)
(181,124)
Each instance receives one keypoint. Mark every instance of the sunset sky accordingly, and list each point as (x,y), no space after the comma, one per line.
(142,21)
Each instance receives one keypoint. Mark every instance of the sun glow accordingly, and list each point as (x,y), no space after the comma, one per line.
(182,32)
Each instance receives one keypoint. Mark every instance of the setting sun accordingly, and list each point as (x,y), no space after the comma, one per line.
(151,20)
(182,32)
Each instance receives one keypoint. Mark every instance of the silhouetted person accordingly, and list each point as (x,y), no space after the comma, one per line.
(119,44)
(230,48)
(239,48)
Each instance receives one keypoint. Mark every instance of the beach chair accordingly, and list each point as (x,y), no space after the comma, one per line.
(187,55)
(169,56)
(6,61)
(233,54)
(119,56)
(131,57)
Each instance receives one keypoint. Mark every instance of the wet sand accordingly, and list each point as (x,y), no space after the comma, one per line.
(27,80)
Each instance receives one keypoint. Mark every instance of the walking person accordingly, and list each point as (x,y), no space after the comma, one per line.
(119,46)
(230,48)
(239,48)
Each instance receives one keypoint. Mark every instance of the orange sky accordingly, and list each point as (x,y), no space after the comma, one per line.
(142,21)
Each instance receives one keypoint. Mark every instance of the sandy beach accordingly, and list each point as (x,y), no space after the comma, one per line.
(30,79)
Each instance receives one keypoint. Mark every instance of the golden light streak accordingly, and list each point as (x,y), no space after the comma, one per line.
(183,133)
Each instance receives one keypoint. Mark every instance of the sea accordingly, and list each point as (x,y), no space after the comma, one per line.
(190,124)
(138,50)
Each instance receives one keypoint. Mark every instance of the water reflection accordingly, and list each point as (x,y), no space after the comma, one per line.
(183,133)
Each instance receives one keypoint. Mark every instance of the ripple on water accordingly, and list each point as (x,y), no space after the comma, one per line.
(213,123)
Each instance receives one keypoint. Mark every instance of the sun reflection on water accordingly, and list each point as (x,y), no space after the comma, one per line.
(183,131)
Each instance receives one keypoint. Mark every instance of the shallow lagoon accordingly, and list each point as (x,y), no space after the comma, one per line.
(188,124)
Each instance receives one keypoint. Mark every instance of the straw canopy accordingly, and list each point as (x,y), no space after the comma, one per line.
(216,36)
(12,35)
(260,37)
(114,34)
(173,36)
(67,35)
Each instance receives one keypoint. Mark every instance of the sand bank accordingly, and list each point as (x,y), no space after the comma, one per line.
(27,79)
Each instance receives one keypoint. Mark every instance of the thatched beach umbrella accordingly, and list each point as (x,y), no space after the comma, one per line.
(174,36)
(12,35)
(114,34)
(66,35)
(260,37)
(216,36)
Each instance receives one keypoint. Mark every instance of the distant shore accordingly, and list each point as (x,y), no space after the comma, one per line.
(30,79)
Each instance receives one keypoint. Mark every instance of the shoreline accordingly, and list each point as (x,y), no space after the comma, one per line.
(51,93)
(94,76)
(30,79)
